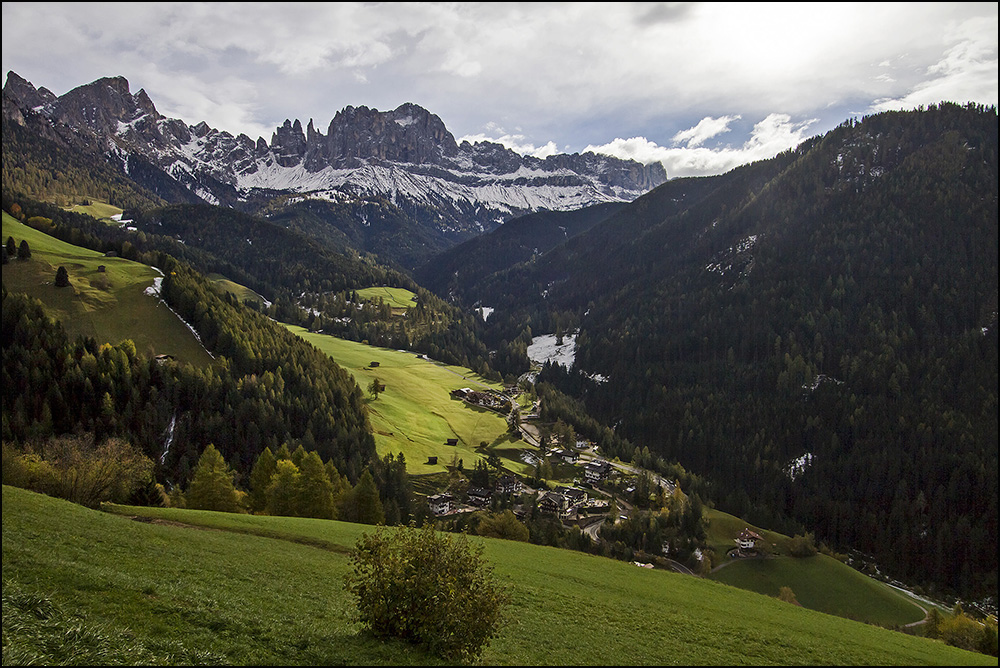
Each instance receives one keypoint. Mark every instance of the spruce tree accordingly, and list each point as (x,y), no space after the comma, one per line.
(260,477)
(363,504)
(212,484)
(315,492)
(282,493)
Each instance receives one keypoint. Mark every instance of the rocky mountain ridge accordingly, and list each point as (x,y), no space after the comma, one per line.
(405,155)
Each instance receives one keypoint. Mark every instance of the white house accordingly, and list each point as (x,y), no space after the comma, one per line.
(440,504)
(747,540)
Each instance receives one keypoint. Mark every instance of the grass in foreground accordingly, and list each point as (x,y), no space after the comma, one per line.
(109,306)
(176,595)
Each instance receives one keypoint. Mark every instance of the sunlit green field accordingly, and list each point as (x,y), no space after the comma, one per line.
(83,587)
(820,582)
(99,210)
(416,414)
(109,306)
(397,298)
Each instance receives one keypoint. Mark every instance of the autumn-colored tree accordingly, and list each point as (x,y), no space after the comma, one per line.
(503,525)
(260,477)
(282,492)
(212,485)
(73,468)
(787,595)
(315,492)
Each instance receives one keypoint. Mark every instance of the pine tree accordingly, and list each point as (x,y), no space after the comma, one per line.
(212,484)
(363,504)
(282,493)
(62,277)
(260,477)
(315,492)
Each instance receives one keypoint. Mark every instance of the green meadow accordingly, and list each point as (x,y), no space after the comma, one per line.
(110,306)
(97,209)
(416,414)
(242,293)
(819,582)
(395,298)
(88,587)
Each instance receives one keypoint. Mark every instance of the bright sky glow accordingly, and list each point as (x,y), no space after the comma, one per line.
(702,87)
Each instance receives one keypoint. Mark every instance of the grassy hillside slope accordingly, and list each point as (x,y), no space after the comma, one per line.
(97,209)
(415,414)
(109,306)
(242,292)
(819,582)
(157,592)
(396,298)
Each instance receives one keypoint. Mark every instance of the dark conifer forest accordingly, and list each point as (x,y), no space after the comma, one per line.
(834,307)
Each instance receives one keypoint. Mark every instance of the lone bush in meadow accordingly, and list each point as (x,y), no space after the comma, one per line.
(430,589)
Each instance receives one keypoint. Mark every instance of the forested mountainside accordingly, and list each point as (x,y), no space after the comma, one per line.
(38,161)
(518,240)
(308,282)
(269,388)
(816,334)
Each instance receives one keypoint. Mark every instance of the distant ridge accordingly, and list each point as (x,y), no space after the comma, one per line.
(406,156)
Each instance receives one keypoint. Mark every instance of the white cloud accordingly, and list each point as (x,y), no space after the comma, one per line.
(457,63)
(515,142)
(707,128)
(568,74)
(772,135)
(966,72)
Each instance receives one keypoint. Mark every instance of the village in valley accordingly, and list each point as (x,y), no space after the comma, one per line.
(563,478)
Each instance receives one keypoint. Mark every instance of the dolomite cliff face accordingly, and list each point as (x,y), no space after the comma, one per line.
(406,156)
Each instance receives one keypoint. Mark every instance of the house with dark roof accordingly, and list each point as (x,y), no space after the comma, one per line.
(597,471)
(440,504)
(479,496)
(747,540)
(552,503)
(508,484)
(574,495)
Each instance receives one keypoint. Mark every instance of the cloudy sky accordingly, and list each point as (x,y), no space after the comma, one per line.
(702,87)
